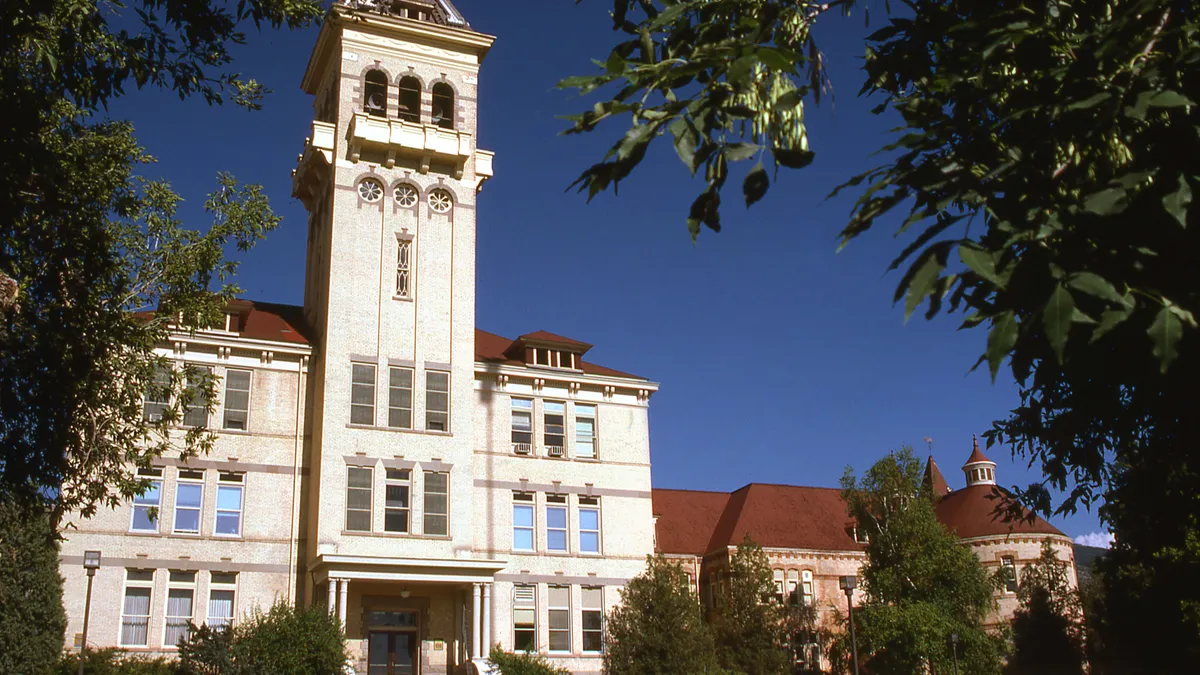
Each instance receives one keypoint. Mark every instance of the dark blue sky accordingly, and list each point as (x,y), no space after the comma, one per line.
(781,360)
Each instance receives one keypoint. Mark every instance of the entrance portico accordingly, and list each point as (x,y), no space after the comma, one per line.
(409,616)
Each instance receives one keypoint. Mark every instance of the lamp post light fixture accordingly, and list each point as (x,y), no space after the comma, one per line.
(954,648)
(91,563)
(848,584)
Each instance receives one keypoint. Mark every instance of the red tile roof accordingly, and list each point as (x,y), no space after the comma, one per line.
(543,336)
(492,348)
(775,516)
(977,454)
(934,479)
(979,510)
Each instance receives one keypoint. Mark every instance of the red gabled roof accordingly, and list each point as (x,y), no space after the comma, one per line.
(686,519)
(977,454)
(492,348)
(270,321)
(980,510)
(543,336)
(935,480)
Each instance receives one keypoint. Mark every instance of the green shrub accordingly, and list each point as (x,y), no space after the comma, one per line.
(115,662)
(509,663)
(282,640)
(32,619)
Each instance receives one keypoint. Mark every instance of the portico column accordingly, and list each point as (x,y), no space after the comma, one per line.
(487,619)
(343,592)
(331,606)
(475,624)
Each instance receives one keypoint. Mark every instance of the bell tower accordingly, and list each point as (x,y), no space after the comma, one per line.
(389,176)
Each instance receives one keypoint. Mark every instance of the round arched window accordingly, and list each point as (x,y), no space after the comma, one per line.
(405,195)
(370,190)
(440,201)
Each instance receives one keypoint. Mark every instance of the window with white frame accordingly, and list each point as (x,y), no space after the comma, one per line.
(779,594)
(196,412)
(358,498)
(222,589)
(589,524)
(135,611)
(554,419)
(189,501)
(362,394)
(523,539)
(230,494)
(524,618)
(396,500)
(181,594)
(793,584)
(522,425)
(158,396)
(559,607)
(437,401)
(404,268)
(556,523)
(237,400)
(146,506)
(807,592)
(400,384)
(1009,565)
(592,611)
(437,503)
(585,431)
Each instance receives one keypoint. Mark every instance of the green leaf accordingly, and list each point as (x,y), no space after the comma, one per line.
(686,139)
(755,186)
(1109,320)
(1177,202)
(788,100)
(1090,101)
(1169,99)
(1056,318)
(615,65)
(1001,340)
(1095,286)
(776,58)
(1166,332)
(736,152)
(1105,202)
(577,81)
(793,159)
(981,262)
(637,137)
(922,281)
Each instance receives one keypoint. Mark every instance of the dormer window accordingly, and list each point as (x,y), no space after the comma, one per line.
(235,323)
(553,358)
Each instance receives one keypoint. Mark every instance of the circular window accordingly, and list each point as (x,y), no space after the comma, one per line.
(440,201)
(370,190)
(405,195)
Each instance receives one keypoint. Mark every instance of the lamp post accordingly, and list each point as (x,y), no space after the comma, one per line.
(954,649)
(91,563)
(848,584)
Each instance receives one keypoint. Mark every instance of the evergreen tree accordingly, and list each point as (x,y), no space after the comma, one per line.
(1048,627)
(657,629)
(920,586)
(749,629)
(32,620)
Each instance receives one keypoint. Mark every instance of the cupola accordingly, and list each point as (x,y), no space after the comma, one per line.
(979,469)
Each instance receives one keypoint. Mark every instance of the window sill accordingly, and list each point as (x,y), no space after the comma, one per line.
(146,533)
(396,430)
(403,298)
(397,535)
(235,432)
(186,535)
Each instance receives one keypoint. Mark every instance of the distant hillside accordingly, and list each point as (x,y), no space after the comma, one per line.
(1084,557)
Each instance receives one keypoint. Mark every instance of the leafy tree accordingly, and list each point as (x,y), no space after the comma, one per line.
(284,639)
(749,629)
(83,242)
(807,637)
(920,585)
(508,663)
(1048,626)
(32,621)
(657,629)
(207,650)
(112,661)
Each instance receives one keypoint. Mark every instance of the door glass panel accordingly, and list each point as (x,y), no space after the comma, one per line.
(405,643)
(377,654)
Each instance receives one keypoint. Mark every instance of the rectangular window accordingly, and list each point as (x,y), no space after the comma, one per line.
(362,394)
(396,504)
(237,400)
(135,612)
(404,268)
(554,414)
(585,430)
(1009,565)
(358,499)
(556,523)
(523,521)
(793,583)
(593,619)
(189,501)
(524,618)
(808,594)
(437,503)
(180,598)
(560,618)
(196,412)
(522,425)
(146,505)
(158,396)
(779,596)
(229,504)
(221,590)
(589,524)
(400,384)
(437,401)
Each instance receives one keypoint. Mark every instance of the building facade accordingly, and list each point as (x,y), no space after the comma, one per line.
(438,487)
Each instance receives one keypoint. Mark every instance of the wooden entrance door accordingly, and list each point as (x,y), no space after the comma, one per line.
(393,644)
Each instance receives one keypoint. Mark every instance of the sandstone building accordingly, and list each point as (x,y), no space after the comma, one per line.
(438,487)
